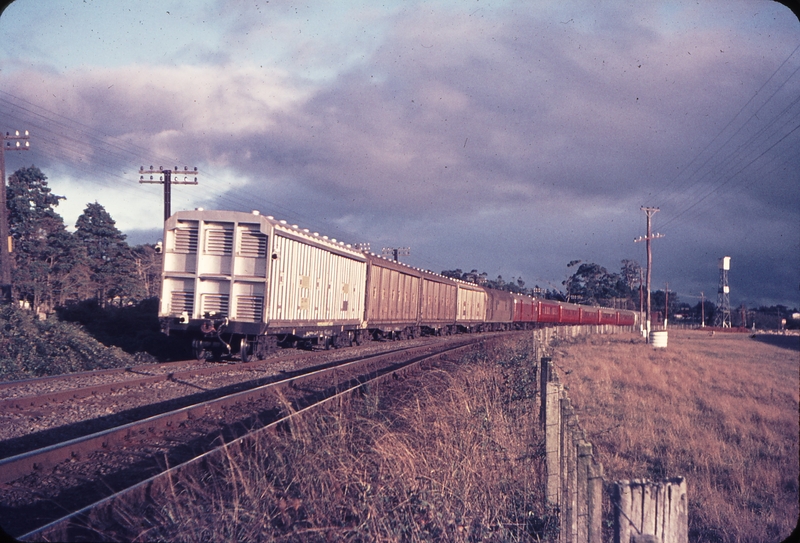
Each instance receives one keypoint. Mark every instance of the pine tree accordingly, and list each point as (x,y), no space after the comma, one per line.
(46,258)
(111,262)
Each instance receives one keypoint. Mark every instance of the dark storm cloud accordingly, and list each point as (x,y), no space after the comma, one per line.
(510,140)
(513,136)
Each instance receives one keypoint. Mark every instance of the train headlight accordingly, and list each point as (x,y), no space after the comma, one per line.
(184,318)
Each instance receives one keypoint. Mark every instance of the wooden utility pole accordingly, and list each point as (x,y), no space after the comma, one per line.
(164,177)
(649,211)
(15,142)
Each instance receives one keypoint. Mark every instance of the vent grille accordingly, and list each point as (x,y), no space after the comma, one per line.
(249,308)
(253,245)
(181,302)
(215,305)
(186,240)
(219,242)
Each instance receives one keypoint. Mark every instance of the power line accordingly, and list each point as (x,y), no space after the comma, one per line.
(699,201)
(668,186)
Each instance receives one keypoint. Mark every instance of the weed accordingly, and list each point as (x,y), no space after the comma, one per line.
(448,454)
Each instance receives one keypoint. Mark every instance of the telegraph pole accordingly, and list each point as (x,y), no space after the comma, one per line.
(396,252)
(14,142)
(649,211)
(164,177)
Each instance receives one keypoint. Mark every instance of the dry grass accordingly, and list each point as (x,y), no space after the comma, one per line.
(449,455)
(721,411)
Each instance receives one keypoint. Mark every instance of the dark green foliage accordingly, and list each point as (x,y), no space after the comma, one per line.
(32,348)
(516,285)
(592,284)
(658,301)
(48,263)
(134,328)
(111,261)
(81,275)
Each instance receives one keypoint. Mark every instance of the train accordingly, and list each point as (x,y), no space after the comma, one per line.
(244,284)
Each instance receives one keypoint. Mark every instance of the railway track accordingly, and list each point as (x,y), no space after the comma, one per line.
(41,412)
(38,487)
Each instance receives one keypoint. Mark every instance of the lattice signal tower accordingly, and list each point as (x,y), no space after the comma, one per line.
(722,318)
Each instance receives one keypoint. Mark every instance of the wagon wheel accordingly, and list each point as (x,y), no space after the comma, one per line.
(245,350)
(199,350)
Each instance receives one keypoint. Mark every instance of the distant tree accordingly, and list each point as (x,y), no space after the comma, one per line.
(553,294)
(111,261)
(631,275)
(498,283)
(472,276)
(454,274)
(592,284)
(658,301)
(47,260)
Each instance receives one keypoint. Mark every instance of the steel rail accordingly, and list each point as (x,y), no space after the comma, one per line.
(355,384)
(17,466)
(38,400)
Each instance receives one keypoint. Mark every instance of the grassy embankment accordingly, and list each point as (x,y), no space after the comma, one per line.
(457,455)
(452,454)
(82,337)
(720,410)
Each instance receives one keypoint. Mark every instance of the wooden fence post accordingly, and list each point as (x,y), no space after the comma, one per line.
(552,443)
(545,374)
(567,479)
(595,492)
(645,511)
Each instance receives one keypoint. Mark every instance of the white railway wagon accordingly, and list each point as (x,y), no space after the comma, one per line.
(471,303)
(242,283)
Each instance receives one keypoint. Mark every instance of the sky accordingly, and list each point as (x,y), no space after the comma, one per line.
(511,137)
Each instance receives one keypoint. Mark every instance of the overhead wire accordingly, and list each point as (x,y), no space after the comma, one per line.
(668,187)
(67,140)
(728,180)
(717,171)
(731,163)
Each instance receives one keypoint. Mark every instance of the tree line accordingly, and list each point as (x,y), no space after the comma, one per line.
(53,267)
(591,284)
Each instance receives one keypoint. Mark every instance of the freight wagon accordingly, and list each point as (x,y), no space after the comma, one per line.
(243,283)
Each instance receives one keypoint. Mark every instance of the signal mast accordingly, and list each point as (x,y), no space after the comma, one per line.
(722,318)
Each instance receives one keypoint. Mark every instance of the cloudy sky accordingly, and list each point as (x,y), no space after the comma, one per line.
(506,136)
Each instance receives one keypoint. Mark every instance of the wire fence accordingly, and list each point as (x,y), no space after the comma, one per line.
(643,511)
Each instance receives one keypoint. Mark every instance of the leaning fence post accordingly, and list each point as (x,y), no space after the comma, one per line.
(568,495)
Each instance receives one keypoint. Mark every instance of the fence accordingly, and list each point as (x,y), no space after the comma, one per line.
(643,511)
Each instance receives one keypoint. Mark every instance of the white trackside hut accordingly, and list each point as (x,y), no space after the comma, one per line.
(236,282)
